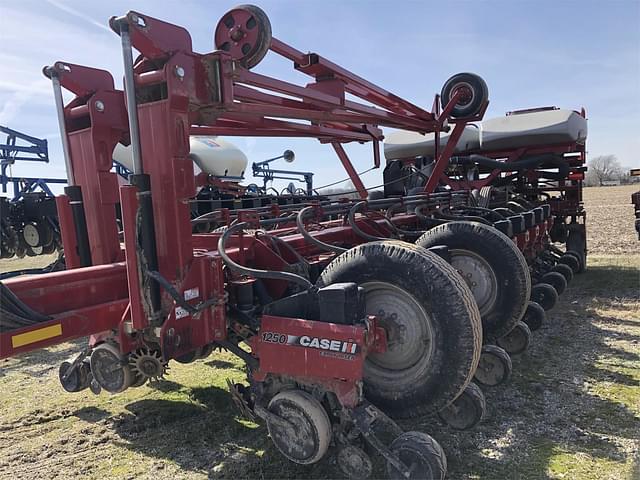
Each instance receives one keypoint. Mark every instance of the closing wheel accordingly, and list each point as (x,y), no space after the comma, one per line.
(431,320)
(517,340)
(354,462)
(74,380)
(564,270)
(467,410)
(474,94)
(534,317)
(572,260)
(493,268)
(421,454)
(245,33)
(110,368)
(577,243)
(544,295)
(579,256)
(556,280)
(307,434)
(495,366)
(34,251)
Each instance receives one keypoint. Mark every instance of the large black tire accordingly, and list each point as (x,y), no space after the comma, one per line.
(432,322)
(508,273)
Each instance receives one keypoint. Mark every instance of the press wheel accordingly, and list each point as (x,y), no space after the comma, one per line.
(495,366)
(467,410)
(517,340)
(304,432)
(421,454)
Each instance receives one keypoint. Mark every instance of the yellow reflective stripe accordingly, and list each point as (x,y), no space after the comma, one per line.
(36,335)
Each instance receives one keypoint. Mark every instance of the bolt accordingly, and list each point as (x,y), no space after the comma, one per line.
(179,72)
(99,106)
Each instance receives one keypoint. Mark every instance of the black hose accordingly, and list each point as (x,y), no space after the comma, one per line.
(428,222)
(15,314)
(309,238)
(254,272)
(470,218)
(352,221)
(553,160)
(192,309)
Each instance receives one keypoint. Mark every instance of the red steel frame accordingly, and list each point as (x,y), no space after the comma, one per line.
(181,93)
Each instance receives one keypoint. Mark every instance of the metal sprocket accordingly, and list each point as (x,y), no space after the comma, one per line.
(148,364)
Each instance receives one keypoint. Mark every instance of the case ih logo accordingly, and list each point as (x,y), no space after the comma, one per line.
(306,341)
(323,344)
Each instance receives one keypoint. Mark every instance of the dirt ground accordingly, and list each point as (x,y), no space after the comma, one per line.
(570,411)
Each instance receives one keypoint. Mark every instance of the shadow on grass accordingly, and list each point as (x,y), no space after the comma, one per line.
(39,362)
(206,435)
(549,414)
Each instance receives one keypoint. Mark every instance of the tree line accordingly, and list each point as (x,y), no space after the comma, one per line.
(605,168)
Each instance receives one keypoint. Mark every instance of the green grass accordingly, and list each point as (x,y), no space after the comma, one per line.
(581,375)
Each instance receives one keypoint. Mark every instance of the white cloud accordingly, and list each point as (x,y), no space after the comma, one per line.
(76,13)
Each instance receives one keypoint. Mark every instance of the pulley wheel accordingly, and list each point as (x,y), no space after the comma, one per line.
(110,369)
(245,33)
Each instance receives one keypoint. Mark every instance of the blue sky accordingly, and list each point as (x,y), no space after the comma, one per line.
(531,53)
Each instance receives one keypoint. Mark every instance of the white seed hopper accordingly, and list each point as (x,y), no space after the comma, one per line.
(406,144)
(545,127)
(212,155)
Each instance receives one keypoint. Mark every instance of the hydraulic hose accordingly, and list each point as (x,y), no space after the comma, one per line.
(352,221)
(15,314)
(254,272)
(428,222)
(553,160)
(309,238)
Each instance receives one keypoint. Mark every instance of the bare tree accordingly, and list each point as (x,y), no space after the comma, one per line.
(603,168)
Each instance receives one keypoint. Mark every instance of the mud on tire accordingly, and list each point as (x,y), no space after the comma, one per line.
(432,322)
(510,270)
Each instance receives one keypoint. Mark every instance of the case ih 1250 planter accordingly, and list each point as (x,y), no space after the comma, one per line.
(347,313)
